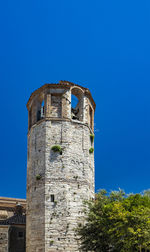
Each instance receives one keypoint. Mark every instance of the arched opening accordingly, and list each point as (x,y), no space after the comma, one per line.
(77,104)
(74,101)
(40,111)
(74,107)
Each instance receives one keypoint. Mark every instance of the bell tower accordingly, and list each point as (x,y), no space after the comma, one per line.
(60,166)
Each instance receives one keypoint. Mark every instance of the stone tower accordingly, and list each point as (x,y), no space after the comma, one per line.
(60,166)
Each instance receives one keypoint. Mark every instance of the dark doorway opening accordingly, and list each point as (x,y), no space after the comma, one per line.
(17,238)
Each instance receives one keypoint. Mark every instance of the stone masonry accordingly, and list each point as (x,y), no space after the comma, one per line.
(58,181)
(9,222)
(4,238)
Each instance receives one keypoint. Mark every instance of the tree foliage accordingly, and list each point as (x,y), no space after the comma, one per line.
(116,222)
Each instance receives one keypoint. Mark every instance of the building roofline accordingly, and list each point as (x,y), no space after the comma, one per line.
(64,84)
(14,220)
(11,202)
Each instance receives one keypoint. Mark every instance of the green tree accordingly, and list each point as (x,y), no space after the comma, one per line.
(116,222)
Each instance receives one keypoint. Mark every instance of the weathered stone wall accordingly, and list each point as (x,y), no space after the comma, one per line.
(56,105)
(35,226)
(58,182)
(68,176)
(7,206)
(66,99)
(4,238)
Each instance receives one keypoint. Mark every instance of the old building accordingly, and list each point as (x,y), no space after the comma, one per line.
(12,225)
(60,173)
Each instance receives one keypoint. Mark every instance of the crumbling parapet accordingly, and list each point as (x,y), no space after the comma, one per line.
(56,102)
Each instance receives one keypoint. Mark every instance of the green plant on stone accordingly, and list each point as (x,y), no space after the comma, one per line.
(91,150)
(92,137)
(57,148)
(51,243)
(38,176)
(75,177)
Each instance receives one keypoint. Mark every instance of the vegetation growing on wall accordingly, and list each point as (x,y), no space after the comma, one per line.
(57,148)
(38,176)
(91,150)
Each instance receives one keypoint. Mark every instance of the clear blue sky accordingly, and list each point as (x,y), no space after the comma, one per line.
(103,45)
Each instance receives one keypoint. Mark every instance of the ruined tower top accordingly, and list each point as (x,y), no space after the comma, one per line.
(60,165)
(63,101)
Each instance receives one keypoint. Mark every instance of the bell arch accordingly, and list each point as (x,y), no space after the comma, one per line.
(77,96)
(40,102)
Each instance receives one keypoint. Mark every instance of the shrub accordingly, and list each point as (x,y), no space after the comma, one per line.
(116,222)
(38,176)
(91,150)
(57,148)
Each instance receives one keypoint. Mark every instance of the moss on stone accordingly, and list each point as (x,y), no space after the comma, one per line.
(91,150)
(38,176)
(57,148)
